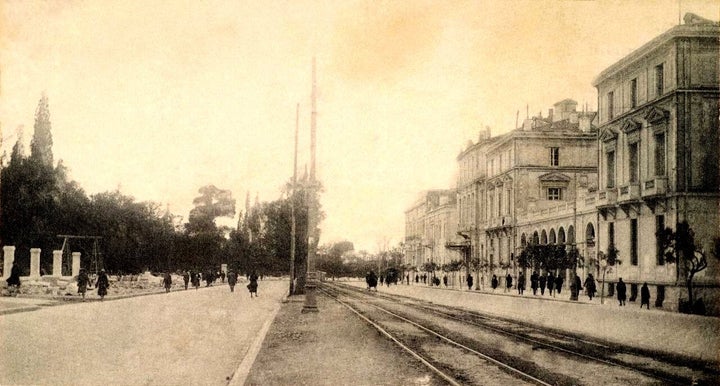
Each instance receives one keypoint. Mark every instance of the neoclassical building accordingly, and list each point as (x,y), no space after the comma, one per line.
(658,146)
(430,224)
(506,184)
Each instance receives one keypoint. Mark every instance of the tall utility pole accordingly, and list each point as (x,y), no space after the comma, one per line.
(312,276)
(292,204)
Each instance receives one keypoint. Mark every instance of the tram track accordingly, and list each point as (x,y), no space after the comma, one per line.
(526,353)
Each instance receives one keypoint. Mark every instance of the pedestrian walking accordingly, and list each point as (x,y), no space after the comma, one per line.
(252,287)
(534,281)
(83,281)
(590,286)
(102,284)
(494,282)
(382,279)
(469,281)
(195,279)
(558,284)
(445,280)
(167,281)
(417,279)
(186,278)
(575,287)
(371,280)
(621,291)
(508,283)
(541,281)
(551,284)
(14,280)
(645,296)
(232,280)
(222,276)
(521,283)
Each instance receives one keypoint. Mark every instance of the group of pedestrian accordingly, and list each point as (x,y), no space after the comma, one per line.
(102,283)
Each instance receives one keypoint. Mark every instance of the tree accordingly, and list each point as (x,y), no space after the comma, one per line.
(679,248)
(41,144)
(605,262)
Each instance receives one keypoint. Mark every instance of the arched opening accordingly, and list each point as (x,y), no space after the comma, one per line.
(551,237)
(523,241)
(561,236)
(536,238)
(543,237)
(571,235)
(590,235)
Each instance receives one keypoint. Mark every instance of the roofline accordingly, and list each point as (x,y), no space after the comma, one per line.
(679,31)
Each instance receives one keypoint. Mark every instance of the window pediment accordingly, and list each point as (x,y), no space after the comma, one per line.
(655,115)
(630,125)
(608,135)
(554,177)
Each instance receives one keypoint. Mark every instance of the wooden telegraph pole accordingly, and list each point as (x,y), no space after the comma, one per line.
(292,204)
(312,277)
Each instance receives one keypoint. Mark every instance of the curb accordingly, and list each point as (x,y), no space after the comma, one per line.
(241,373)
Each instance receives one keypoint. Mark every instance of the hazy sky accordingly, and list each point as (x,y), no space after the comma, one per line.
(162,97)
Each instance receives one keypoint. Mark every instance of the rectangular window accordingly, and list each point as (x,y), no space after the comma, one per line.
(659,80)
(610,166)
(554,194)
(633,158)
(554,156)
(507,205)
(611,233)
(611,104)
(633,93)
(660,154)
(659,227)
(633,242)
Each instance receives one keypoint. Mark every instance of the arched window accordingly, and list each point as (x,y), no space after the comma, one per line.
(543,237)
(590,234)
(561,236)
(571,235)
(552,238)
(523,241)
(536,238)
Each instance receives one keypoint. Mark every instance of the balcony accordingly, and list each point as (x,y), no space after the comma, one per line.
(629,192)
(655,187)
(607,197)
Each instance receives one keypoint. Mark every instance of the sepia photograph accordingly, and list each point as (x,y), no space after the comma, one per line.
(359,192)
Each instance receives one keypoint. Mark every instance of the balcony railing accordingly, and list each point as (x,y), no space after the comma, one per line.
(655,187)
(607,197)
(629,192)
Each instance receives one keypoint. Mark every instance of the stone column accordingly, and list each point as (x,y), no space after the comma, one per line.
(75,263)
(8,259)
(57,263)
(34,262)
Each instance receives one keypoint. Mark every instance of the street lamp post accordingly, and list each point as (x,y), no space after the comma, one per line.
(312,276)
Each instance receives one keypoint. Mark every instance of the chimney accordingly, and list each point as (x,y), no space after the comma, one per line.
(584,123)
(550,115)
(527,124)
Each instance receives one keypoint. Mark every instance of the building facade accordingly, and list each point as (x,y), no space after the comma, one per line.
(430,224)
(658,152)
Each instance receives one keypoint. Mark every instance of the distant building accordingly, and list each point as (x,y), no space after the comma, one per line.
(430,224)
(658,151)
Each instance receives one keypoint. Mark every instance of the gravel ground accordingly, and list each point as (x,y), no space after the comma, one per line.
(332,347)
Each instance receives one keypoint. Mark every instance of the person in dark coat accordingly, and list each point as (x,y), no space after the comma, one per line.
(590,286)
(521,283)
(558,284)
(508,283)
(534,279)
(469,281)
(494,282)
(83,281)
(252,287)
(621,291)
(14,280)
(371,280)
(232,280)
(417,279)
(575,287)
(551,284)
(167,281)
(195,279)
(645,296)
(542,280)
(222,276)
(102,284)
(445,280)
(186,278)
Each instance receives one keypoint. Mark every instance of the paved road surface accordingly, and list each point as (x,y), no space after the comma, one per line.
(185,337)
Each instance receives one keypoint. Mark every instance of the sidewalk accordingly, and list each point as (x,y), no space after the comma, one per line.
(692,336)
